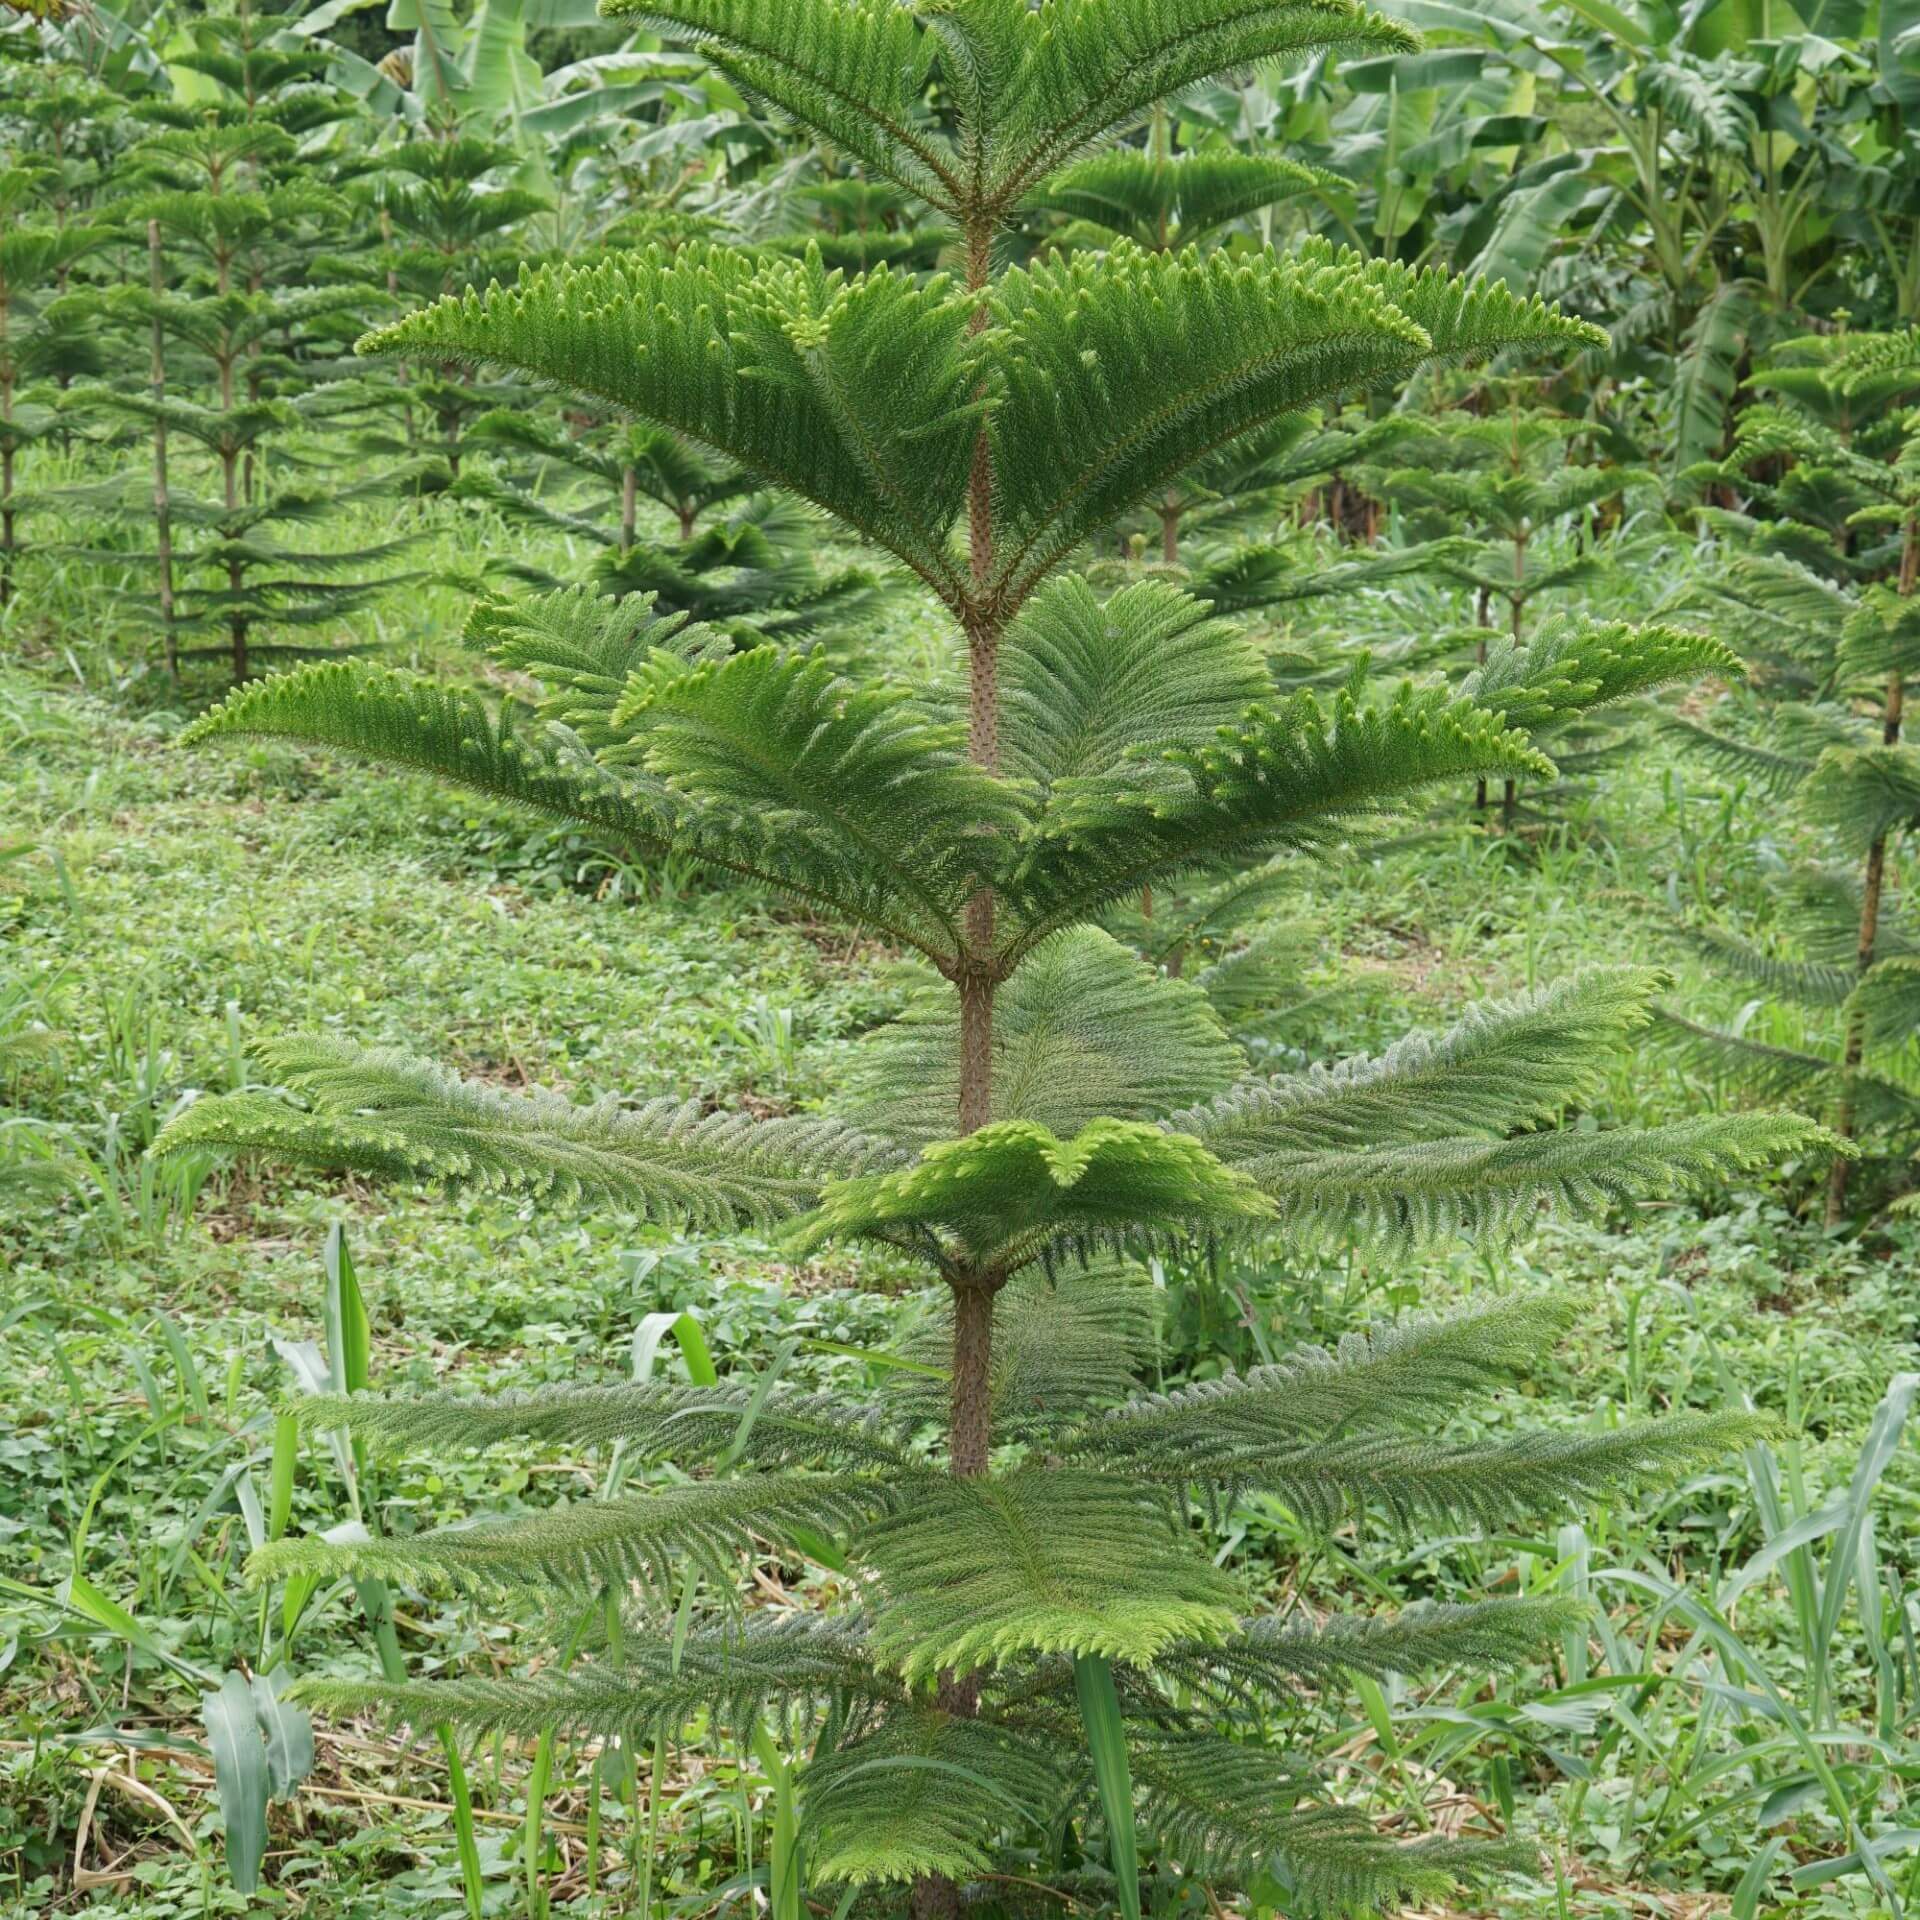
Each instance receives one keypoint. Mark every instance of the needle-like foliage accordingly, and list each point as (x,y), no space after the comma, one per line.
(1824,605)
(1025,1540)
(1508,482)
(393,1116)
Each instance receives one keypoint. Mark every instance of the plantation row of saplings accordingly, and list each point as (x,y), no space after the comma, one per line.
(1093,450)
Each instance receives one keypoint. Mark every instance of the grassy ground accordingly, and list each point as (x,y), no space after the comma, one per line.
(160,911)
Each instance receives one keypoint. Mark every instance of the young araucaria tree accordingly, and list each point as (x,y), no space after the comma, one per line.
(1505,479)
(34,255)
(1820,587)
(1044,1645)
(752,569)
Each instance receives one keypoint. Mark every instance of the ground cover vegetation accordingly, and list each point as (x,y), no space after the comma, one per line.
(953,959)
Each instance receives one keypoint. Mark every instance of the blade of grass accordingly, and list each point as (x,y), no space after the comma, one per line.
(783,1865)
(1107,1748)
(350,1349)
(241,1779)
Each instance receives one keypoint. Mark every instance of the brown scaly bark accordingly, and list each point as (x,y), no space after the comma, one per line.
(976,968)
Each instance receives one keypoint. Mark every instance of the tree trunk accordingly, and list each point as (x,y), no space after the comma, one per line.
(1511,792)
(1170,529)
(236,572)
(629,506)
(393,293)
(935,1897)
(162,501)
(1481,608)
(970,1419)
(237,626)
(6,466)
(976,1033)
(1873,884)
(972,1359)
(249,478)
(975,978)
(6,517)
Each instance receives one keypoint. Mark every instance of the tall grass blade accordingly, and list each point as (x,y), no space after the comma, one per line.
(1107,1747)
(349,1336)
(240,1776)
(287,1731)
(784,1870)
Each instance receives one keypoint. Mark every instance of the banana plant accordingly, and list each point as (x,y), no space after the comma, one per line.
(1716,175)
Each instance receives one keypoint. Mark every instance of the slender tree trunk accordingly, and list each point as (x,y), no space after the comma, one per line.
(983,746)
(237,625)
(229,476)
(6,493)
(236,572)
(629,506)
(1872,886)
(972,1356)
(969,1443)
(248,478)
(393,293)
(1170,529)
(689,518)
(6,516)
(1510,794)
(976,1038)
(970,1428)
(1481,609)
(6,463)
(162,500)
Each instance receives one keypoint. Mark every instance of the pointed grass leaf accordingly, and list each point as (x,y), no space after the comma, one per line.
(1101,1720)
(688,1335)
(287,1731)
(241,1776)
(349,1333)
